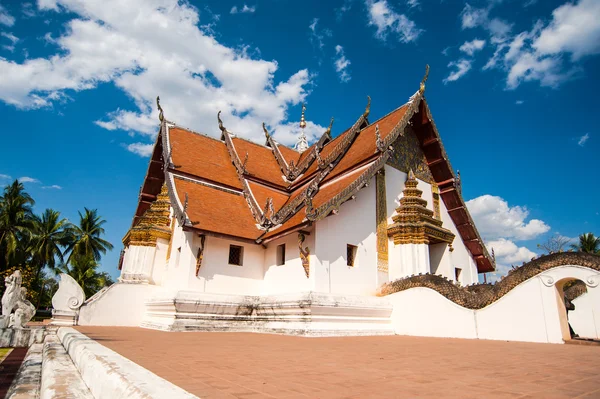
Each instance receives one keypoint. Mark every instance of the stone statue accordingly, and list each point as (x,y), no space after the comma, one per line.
(24,311)
(14,300)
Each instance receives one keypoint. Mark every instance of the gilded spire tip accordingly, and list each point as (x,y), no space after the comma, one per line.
(368,108)
(328,131)
(302,118)
(422,86)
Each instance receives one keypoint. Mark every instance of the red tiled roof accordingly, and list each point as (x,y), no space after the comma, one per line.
(217,210)
(261,161)
(202,156)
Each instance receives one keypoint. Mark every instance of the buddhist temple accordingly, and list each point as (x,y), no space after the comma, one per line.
(220,220)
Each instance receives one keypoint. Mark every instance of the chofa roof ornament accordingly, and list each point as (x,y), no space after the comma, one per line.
(422,86)
(161,115)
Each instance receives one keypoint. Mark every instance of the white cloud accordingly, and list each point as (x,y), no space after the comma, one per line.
(7,177)
(472,17)
(141,149)
(539,54)
(412,3)
(288,133)
(242,10)
(317,36)
(445,51)
(341,64)
(10,37)
(154,48)
(507,251)
(495,219)
(52,187)
(5,17)
(583,139)
(388,21)
(472,47)
(27,179)
(519,102)
(462,66)
(339,12)
(574,29)
(28,10)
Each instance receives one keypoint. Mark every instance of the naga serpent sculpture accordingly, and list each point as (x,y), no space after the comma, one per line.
(478,296)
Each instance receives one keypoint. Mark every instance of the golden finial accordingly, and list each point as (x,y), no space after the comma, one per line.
(411,175)
(422,87)
(328,131)
(160,110)
(302,119)
(368,109)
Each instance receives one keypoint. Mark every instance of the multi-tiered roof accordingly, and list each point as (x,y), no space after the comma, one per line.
(234,188)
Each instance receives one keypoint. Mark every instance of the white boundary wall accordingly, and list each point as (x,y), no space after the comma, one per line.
(532,311)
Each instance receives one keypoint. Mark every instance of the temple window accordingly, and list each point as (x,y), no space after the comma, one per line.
(236,255)
(351,254)
(281,255)
(457,272)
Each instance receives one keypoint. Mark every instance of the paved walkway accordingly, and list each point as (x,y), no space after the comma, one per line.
(9,368)
(243,365)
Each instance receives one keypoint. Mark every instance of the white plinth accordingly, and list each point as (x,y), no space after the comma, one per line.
(308,314)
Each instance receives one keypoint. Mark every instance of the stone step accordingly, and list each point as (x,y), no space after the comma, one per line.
(60,378)
(26,384)
(110,375)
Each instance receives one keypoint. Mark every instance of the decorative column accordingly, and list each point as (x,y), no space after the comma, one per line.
(381,220)
(414,228)
(141,240)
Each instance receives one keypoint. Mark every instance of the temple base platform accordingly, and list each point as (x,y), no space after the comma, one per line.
(304,314)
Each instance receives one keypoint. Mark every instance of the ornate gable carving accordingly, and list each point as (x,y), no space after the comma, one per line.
(408,155)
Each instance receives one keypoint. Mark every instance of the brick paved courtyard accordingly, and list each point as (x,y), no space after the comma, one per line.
(243,365)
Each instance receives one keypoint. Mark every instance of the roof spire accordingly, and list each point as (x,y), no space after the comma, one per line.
(368,109)
(302,143)
(161,116)
(221,127)
(422,87)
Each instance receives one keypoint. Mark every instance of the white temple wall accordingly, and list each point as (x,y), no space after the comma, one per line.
(177,273)
(585,319)
(460,257)
(160,261)
(289,277)
(137,261)
(119,305)
(354,224)
(533,311)
(217,276)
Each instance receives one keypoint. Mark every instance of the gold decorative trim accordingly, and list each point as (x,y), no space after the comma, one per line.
(304,254)
(381,220)
(414,223)
(153,224)
(200,254)
(435,193)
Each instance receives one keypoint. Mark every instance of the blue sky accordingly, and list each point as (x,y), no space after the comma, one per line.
(513,89)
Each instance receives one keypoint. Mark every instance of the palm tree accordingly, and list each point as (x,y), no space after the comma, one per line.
(84,270)
(86,239)
(50,232)
(588,243)
(16,221)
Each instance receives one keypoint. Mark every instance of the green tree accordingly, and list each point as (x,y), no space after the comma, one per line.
(16,222)
(86,241)
(588,243)
(50,233)
(84,270)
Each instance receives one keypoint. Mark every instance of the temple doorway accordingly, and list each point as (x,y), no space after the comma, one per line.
(570,309)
